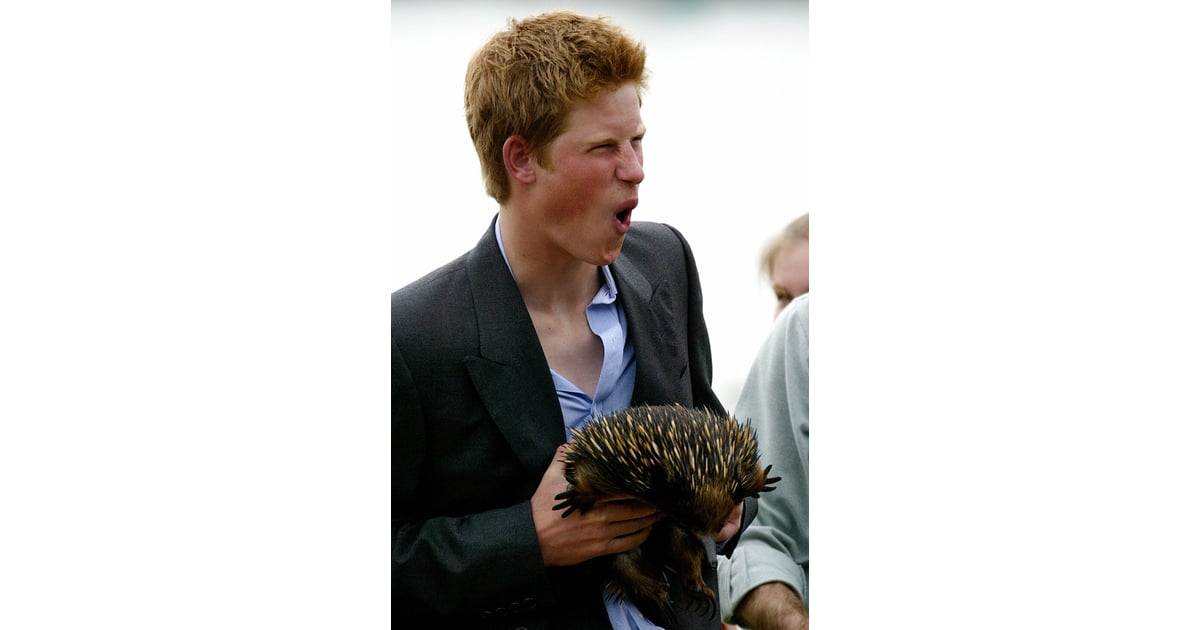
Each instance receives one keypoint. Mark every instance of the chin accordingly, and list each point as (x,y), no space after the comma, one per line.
(607,259)
(610,256)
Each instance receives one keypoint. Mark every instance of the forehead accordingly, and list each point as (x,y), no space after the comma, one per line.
(616,112)
(791,264)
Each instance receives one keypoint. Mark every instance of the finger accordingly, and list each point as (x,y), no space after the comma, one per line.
(558,463)
(628,541)
(631,527)
(732,524)
(621,499)
(626,503)
(619,512)
(727,532)
(735,517)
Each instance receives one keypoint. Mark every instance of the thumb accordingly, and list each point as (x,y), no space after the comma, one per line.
(558,463)
(554,481)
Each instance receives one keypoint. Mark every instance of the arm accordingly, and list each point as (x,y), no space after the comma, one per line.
(772,606)
(775,400)
(443,565)
(464,566)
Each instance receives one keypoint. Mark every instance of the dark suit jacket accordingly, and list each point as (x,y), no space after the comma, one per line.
(475,421)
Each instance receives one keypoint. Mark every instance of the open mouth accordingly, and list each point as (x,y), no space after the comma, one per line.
(626,211)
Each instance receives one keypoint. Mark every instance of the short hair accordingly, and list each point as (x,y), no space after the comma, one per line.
(525,80)
(795,232)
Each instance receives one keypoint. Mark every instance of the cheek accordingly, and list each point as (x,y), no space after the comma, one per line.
(583,186)
(576,187)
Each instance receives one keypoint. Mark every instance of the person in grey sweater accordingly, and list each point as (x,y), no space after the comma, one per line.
(764,583)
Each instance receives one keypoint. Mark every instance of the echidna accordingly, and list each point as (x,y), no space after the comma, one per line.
(692,464)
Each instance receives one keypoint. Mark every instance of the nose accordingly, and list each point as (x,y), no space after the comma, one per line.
(630,169)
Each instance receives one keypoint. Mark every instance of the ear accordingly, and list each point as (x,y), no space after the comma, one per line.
(519,159)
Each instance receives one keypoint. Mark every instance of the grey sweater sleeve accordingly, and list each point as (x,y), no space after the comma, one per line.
(774,399)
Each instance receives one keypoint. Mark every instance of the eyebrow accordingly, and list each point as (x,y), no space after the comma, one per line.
(601,139)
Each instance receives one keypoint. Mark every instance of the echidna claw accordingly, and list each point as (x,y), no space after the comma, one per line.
(767,487)
(568,501)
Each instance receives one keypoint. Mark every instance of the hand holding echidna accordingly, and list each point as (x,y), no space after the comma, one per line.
(694,466)
(614,525)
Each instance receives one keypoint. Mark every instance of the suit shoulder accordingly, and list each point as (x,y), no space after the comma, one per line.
(434,300)
(654,239)
(656,233)
(432,283)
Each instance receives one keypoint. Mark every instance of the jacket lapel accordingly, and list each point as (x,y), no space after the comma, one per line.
(659,359)
(511,374)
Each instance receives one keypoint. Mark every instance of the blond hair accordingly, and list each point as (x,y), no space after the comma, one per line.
(525,79)
(795,232)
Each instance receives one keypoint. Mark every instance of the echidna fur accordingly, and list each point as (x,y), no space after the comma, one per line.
(692,464)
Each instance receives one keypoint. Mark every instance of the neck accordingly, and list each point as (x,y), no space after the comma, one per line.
(548,278)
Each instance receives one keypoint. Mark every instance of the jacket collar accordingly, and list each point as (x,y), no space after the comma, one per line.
(649,317)
(510,373)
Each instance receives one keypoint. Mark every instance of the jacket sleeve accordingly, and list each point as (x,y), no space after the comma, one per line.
(464,567)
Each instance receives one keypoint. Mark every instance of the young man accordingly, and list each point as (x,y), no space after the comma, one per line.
(564,310)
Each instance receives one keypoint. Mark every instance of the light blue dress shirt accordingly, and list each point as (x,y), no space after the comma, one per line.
(614,391)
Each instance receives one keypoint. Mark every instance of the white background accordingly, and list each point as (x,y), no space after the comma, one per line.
(195,264)
(725,159)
